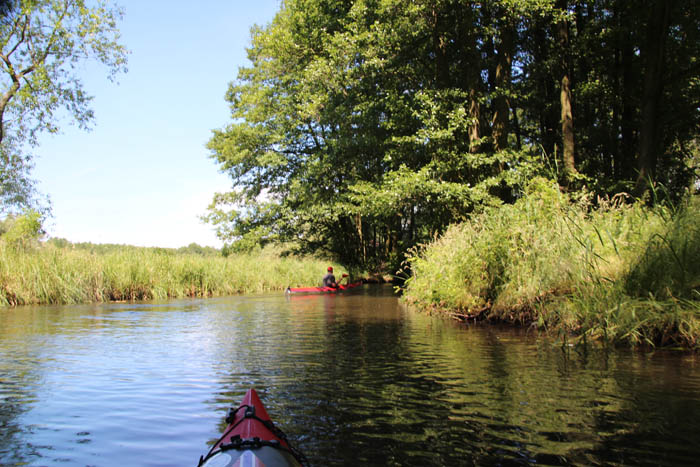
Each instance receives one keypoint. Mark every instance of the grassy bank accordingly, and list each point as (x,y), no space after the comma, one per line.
(51,274)
(617,273)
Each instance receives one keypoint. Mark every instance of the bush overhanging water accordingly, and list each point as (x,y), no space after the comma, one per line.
(622,273)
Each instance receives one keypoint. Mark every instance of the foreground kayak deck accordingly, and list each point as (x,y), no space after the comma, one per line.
(340,288)
(252,440)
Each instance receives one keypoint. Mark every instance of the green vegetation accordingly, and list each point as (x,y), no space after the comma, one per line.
(21,231)
(365,128)
(362,130)
(621,273)
(43,44)
(96,273)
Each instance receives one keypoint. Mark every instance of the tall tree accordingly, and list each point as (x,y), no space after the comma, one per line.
(624,86)
(654,56)
(41,42)
(365,127)
(505,48)
(567,117)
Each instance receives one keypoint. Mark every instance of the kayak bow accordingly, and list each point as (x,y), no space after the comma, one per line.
(252,440)
(340,288)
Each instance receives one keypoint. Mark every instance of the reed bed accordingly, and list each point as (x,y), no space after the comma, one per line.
(52,275)
(619,273)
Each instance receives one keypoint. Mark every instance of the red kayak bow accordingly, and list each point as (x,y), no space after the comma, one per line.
(252,440)
(340,288)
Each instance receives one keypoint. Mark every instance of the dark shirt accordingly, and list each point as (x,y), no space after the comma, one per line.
(329,280)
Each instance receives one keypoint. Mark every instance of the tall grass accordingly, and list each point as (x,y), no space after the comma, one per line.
(617,273)
(51,274)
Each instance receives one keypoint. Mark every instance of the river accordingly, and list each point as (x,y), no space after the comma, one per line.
(354,379)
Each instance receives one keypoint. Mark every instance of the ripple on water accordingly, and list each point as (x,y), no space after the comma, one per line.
(353,379)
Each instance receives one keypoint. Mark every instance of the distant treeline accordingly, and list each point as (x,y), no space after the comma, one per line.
(103,248)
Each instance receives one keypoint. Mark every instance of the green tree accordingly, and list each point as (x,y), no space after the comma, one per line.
(22,230)
(363,128)
(41,44)
(355,128)
(17,188)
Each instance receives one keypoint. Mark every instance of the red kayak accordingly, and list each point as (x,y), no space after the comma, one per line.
(252,440)
(340,288)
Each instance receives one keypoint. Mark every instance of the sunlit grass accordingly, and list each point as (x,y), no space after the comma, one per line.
(619,273)
(48,274)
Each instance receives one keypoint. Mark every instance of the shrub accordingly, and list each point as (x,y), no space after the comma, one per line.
(620,272)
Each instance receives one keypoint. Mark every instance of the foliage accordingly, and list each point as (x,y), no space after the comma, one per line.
(42,44)
(669,268)
(195,249)
(59,272)
(503,256)
(17,188)
(364,128)
(105,248)
(22,230)
(620,273)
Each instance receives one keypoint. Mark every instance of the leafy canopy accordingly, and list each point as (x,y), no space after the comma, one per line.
(363,128)
(42,46)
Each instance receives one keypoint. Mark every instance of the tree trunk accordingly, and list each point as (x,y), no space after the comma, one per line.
(439,49)
(627,126)
(516,128)
(654,57)
(471,66)
(567,127)
(624,85)
(547,119)
(475,115)
(363,248)
(627,75)
(502,85)
(567,116)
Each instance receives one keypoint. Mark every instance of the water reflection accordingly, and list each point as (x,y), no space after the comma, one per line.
(354,378)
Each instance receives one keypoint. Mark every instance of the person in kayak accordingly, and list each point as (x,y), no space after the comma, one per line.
(329,279)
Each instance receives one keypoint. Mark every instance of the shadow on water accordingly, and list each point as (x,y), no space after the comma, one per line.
(353,379)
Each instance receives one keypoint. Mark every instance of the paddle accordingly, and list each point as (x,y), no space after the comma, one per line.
(344,276)
(337,283)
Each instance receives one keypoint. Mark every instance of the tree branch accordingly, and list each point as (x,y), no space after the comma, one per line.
(53,35)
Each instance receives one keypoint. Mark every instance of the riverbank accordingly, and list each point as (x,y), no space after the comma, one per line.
(50,274)
(619,273)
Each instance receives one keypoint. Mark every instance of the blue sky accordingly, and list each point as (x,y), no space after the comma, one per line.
(142,176)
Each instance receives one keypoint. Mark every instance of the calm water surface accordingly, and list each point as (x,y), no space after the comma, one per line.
(355,379)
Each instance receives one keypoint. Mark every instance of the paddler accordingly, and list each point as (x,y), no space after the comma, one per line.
(329,279)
